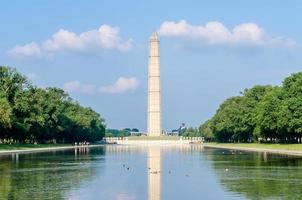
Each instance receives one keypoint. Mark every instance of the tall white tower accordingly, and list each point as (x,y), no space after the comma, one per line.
(154,107)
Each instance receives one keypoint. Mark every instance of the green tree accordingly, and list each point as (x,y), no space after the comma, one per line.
(271,120)
(5,117)
(32,114)
(236,118)
(292,87)
(11,82)
(206,131)
(190,132)
(252,97)
(227,122)
(82,124)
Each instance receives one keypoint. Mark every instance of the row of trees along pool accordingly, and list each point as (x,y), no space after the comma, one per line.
(30,114)
(262,113)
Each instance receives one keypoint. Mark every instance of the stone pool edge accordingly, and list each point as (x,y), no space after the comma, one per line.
(45,149)
(274,151)
(125,143)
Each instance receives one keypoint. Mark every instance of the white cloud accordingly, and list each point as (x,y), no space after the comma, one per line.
(63,40)
(28,50)
(106,37)
(214,33)
(77,87)
(121,85)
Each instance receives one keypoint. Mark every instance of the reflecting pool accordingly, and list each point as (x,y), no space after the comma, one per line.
(130,172)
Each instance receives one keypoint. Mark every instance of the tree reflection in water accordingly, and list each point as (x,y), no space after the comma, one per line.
(45,175)
(180,172)
(258,175)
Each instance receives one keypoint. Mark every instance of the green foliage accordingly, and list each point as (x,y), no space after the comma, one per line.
(5,113)
(262,113)
(205,131)
(190,132)
(135,130)
(270,118)
(112,132)
(11,83)
(31,114)
(119,133)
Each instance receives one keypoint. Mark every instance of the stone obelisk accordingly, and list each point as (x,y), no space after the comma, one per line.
(154,107)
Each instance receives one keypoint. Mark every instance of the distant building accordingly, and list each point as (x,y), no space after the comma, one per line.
(178,131)
(136,132)
(175,132)
(182,128)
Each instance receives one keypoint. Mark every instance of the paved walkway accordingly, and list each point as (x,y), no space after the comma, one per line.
(44,149)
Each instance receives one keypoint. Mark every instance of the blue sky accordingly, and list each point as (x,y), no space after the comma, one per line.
(98,51)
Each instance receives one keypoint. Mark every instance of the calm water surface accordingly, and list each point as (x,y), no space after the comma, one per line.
(153,173)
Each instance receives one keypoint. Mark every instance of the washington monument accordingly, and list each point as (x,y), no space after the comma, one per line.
(154,107)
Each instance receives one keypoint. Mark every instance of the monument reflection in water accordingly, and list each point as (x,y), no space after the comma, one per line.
(154,173)
(117,172)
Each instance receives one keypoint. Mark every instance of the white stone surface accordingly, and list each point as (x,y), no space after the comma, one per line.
(156,142)
(154,98)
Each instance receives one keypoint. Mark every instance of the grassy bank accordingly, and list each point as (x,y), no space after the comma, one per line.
(7,147)
(289,147)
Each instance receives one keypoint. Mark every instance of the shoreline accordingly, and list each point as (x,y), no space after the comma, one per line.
(118,142)
(256,149)
(44,149)
(161,143)
(156,142)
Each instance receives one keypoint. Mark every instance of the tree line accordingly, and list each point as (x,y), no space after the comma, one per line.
(126,132)
(29,114)
(262,113)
